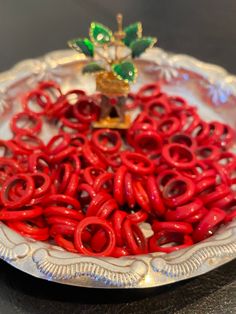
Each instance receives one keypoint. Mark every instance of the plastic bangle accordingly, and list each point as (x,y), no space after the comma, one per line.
(94,221)
(207,225)
(186,157)
(154,246)
(148,91)
(28,116)
(129,191)
(184,211)
(29,189)
(137,163)
(155,196)
(178,191)
(134,238)
(118,188)
(101,138)
(42,100)
(24,213)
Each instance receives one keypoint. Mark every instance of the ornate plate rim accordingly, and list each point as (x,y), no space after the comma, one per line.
(48,262)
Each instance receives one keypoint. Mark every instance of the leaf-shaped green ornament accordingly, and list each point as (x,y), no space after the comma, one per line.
(92,67)
(139,45)
(125,71)
(100,34)
(132,32)
(83,45)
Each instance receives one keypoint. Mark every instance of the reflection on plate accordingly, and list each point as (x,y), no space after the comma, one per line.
(207,86)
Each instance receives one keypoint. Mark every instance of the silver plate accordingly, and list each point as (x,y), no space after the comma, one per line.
(207,86)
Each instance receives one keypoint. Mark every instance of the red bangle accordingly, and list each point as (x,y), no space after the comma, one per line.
(197,216)
(84,194)
(106,140)
(228,136)
(168,126)
(68,119)
(134,238)
(137,217)
(51,87)
(98,241)
(23,214)
(205,184)
(207,225)
(42,100)
(119,252)
(22,200)
(118,218)
(98,200)
(61,229)
(86,110)
(34,128)
(184,139)
(137,163)
(113,160)
(141,196)
(42,183)
(165,176)
(51,220)
(129,191)
(118,187)
(172,226)
(164,237)
(178,191)
(10,166)
(148,141)
(104,182)
(107,209)
(224,202)
(207,152)
(177,103)
(72,186)
(62,200)
(157,107)
(186,157)
(216,193)
(184,211)
(29,229)
(63,212)
(78,140)
(149,91)
(29,142)
(58,143)
(91,173)
(5,149)
(155,196)
(65,243)
(201,131)
(91,157)
(35,165)
(62,176)
(94,221)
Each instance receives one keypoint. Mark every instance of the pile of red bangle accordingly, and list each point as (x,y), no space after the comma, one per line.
(89,190)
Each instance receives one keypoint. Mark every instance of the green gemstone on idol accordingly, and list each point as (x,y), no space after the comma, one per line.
(125,71)
(92,67)
(100,34)
(139,45)
(84,46)
(132,32)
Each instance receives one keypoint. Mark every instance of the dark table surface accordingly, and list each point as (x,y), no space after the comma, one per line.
(205,29)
